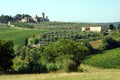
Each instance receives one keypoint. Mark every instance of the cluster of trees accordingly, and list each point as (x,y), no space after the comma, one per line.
(63,55)
(17,17)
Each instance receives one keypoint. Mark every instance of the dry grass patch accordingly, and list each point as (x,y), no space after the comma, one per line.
(91,73)
(96,43)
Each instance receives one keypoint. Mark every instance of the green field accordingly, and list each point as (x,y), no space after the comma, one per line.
(90,73)
(107,59)
(18,35)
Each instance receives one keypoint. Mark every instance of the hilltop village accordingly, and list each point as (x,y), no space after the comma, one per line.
(35,19)
(23,18)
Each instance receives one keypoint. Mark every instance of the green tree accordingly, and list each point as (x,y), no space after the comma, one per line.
(111,27)
(18,17)
(4,19)
(66,54)
(6,55)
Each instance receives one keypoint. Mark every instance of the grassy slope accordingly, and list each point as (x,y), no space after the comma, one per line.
(108,59)
(17,35)
(90,74)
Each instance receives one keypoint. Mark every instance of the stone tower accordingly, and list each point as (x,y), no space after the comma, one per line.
(43,15)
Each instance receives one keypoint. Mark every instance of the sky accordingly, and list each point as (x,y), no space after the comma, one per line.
(65,10)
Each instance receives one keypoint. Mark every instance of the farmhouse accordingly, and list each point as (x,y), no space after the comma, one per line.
(94,29)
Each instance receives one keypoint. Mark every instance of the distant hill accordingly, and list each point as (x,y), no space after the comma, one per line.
(107,24)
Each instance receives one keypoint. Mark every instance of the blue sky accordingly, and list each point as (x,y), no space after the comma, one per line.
(65,10)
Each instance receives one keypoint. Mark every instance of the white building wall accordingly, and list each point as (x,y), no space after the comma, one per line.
(83,29)
(92,29)
(96,29)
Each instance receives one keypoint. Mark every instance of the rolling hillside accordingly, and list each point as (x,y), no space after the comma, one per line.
(107,59)
(18,35)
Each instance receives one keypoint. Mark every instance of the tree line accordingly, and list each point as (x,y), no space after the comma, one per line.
(17,17)
(64,55)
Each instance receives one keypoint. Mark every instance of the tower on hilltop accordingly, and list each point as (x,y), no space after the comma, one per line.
(43,15)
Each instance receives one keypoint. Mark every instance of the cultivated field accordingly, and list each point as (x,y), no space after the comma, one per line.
(18,35)
(90,73)
(107,59)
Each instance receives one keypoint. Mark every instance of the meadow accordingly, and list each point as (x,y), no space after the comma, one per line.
(18,35)
(90,73)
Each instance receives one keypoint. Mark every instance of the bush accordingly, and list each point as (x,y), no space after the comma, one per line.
(51,67)
(69,65)
(87,45)
(20,66)
(109,43)
(66,63)
(37,68)
(28,61)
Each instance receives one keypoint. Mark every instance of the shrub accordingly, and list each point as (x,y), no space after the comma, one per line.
(51,67)
(28,61)
(109,43)
(37,67)
(66,63)
(87,45)
(20,66)
(23,66)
